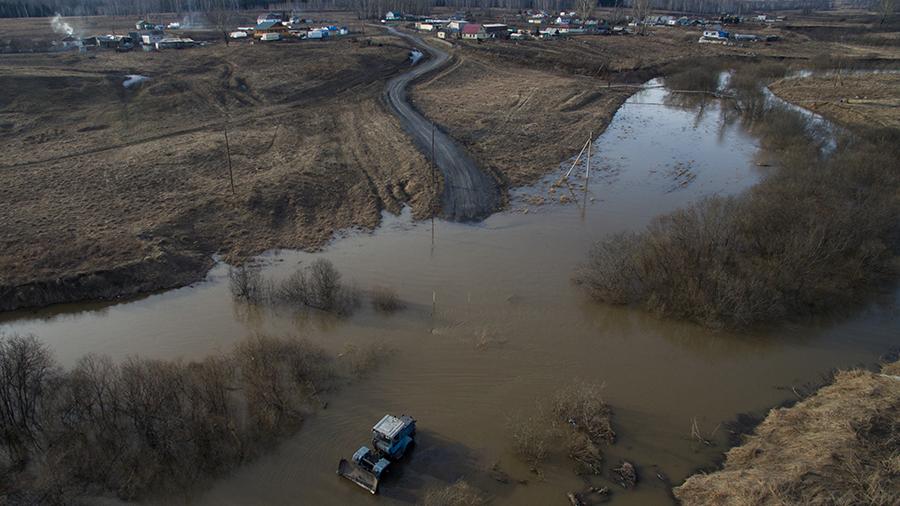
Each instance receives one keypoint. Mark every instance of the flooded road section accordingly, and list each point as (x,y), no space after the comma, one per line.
(494,326)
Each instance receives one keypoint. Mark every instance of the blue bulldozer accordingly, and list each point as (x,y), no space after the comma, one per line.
(391,437)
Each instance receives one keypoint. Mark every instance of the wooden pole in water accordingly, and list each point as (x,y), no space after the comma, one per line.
(228,153)
(433,189)
(433,308)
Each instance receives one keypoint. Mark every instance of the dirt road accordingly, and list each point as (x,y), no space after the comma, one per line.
(469,193)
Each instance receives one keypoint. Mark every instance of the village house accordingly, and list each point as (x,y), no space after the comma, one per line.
(456,25)
(271,16)
(473,31)
(269,26)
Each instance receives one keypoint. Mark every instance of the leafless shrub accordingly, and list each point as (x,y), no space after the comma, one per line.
(361,360)
(247,284)
(26,367)
(280,376)
(386,300)
(534,437)
(318,286)
(581,406)
(458,494)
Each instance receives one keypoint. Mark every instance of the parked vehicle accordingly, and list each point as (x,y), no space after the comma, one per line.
(391,438)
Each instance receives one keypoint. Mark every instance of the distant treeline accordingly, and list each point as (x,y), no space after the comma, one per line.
(376,8)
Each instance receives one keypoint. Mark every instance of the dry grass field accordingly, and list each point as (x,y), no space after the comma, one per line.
(839,447)
(861,100)
(109,190)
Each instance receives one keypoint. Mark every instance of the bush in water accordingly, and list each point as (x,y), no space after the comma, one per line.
(817,233)
(146,425)
(318,286)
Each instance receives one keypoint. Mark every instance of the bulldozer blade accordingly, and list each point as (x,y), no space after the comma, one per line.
(358,475)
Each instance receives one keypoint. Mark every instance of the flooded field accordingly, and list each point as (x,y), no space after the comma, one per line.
(493,326)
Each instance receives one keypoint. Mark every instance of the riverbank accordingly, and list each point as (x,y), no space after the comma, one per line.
(839,446)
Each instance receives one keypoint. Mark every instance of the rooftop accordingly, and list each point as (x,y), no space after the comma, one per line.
(388,426)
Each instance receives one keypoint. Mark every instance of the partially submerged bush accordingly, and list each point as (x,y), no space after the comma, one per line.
(247,284)
(581,406)
(458,494)
(318,286)
(386,300)
(533,437)
(578,422)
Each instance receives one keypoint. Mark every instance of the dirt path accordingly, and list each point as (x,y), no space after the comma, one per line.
(469,193)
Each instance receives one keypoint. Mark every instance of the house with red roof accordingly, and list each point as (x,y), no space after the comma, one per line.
(473,31)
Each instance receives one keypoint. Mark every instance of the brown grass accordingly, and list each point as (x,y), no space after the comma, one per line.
(458,494)
(839,447)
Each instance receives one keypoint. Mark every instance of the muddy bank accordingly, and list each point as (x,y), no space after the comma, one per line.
(837,447)
(162,271)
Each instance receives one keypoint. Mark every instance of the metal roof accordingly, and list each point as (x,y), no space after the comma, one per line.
(267,24)
(388,426)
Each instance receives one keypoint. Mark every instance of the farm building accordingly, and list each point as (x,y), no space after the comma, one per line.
(496,30)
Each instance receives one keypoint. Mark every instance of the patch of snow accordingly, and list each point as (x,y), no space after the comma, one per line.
(132,80)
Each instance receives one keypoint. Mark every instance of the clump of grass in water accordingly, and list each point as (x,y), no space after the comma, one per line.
(460,493)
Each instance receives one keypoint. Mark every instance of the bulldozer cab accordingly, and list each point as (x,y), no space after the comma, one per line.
(391,434)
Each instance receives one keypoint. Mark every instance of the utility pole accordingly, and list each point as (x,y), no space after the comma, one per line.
(587,170)
(228,153)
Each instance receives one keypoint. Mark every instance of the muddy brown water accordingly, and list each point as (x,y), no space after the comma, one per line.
(494,326)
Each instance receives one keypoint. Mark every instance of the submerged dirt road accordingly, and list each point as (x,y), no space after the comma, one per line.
(468,194)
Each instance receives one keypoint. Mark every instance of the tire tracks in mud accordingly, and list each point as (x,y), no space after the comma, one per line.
(469,194)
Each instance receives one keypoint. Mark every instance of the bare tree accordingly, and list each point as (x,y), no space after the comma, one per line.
(221,14)
(585,8)
(640,8)
(25,368)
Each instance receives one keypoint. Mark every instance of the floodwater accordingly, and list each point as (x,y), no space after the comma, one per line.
(494,326)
